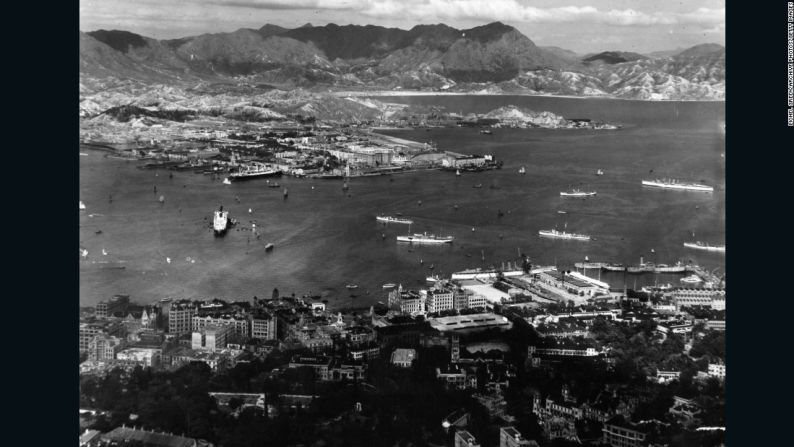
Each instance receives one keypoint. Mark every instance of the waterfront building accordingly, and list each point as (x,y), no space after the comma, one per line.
(439,300)
(133,436)
(510,437)
(465,439)
(210,338)
(180,317)
(103,348)
(470,322)
(116,305)
(403,358)
(703,297)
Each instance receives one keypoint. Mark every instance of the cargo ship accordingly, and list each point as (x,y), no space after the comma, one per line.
(703,246)
(564,235)
(390,219)
(577,193)
(676,184)
(425,238)
(221,222)
(479,273)
(254,170)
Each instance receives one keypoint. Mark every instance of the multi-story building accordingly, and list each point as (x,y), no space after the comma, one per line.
(692,297)
(103,348)
(210,338)
(717,370)
(403,358)
(510,437)
(358,335)
(439,300)
(90,330)
(141,356)
(320,364)
(239,326)
(116,305)
(180,317)
(682,328)
(456,377)
(411,302)
(620,433)
(476,300)
(465,439)
(264,326)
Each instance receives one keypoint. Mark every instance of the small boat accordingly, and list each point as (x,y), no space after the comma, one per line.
(577,193)
(273,185)
(83,154)
(562,212)
(161,199)
(653,251)
(522,170)
(269,247)
(352,286)
(387,219)
(250,210)
(433,278)
(226,181)
(83,253)
(457,173)
(478,185)
(691,279)
(168,260)
(285,193)
(104,253)
(599,172)
(82,205)
(432,266)
(98,232)
(486,132)
(389,286)
(353,295)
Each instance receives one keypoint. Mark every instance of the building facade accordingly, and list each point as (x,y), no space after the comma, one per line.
(180,317)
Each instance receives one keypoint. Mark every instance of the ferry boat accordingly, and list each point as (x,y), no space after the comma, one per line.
(478,273)
(220,223)
(564,235)
(352,286)
(391,219)
(522,170)
(82,205)
(425,238)
(676,184)
(691,279)
(433,278)
(703,246)
(612,267)
(389,285)
(254,170)
(577,193)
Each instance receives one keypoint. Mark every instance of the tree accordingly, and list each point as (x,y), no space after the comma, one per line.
(275,293)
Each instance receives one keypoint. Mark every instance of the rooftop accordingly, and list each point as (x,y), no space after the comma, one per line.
(403,355)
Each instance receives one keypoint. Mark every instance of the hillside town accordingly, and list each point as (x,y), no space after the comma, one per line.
(485,358)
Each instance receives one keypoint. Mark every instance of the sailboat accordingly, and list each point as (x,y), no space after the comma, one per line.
(104,253)
(226,181)
(522,170)
(599,172)
(82,205)
(457,172)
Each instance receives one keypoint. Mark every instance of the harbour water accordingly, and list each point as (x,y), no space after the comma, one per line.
(326,238)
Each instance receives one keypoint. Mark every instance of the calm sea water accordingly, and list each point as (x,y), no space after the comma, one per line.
(325,239)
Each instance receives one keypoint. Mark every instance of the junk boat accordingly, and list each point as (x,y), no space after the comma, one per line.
(221,223)
(676,184)
(391,219)
(703,246)
(577,193)
(564,235)
(254,170)
(425,238)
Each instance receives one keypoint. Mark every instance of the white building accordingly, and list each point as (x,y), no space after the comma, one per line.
(717,370)
(142,356)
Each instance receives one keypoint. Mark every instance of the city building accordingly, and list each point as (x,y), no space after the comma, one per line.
(103,348)
(456,377)
(180,317)
(141,356)
(133,436)
(717,370)
(702,297)
(403,358)
(465,439)
(90,330)
(240,326)
(439,300)
(620,433)
(320,364)
(116,305)
(210,338)
(510,437)
(264,326)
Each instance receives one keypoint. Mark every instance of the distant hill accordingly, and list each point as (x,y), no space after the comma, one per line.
(494,57)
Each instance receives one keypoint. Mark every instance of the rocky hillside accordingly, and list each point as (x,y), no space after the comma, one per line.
(493,58)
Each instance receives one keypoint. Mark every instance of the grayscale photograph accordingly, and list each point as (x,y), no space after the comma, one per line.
(399,223)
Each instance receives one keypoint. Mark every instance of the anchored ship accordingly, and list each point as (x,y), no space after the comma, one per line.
(691,279)
(391,219)
(577,193)
(82,205)
(220,223)
(522,170)
(703,246)
(254,170)
(564,235)
(676,184)
(425,238)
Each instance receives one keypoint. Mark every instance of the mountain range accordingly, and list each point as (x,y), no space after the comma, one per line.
(493,58)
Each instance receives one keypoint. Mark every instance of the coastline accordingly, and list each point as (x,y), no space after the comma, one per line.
(401,93)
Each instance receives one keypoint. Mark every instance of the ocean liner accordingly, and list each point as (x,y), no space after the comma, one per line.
(425,238)
(391,219)
(221,222)
(254,170)
(676,184)
(564,235)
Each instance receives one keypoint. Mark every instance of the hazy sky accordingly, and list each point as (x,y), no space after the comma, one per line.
(579,25)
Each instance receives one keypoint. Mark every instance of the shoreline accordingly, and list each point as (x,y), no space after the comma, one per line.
(401,93)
